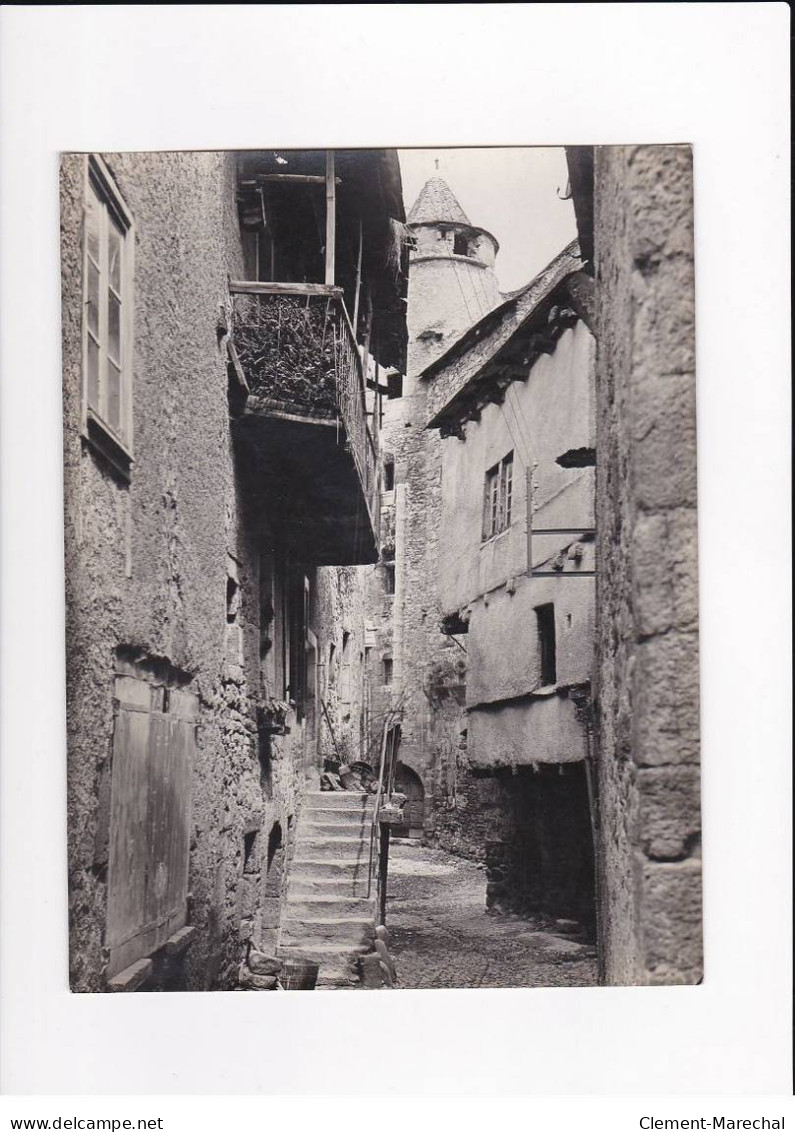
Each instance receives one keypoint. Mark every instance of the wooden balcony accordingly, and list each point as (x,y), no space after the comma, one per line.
(301,420)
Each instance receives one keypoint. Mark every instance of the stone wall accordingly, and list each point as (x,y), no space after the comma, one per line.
(151,564)
(647,600)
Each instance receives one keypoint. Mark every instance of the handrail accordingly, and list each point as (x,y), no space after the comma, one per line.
(254,287)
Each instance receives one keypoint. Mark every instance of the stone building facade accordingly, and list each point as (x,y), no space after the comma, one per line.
(215,612)
(452,283)
(513,400)
(634,209)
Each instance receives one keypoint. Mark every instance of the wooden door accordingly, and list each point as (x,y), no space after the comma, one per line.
(153,754)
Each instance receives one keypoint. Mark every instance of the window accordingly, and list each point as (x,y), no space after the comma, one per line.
(389,577)
(498,498)
(107,317)
(394,385)
(387,669)
(460,244)
(389,475)
(545,617)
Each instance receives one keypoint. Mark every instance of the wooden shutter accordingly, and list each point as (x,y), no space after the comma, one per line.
(153,755)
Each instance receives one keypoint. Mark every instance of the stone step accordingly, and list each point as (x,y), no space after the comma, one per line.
(347,828)
(331,956)
(309,887)
(323,907)
(332,848)
(339,978)
(306,931)
(339,800)
(338,815)
(341,868)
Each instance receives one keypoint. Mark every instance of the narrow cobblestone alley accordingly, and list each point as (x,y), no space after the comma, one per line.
(441,935)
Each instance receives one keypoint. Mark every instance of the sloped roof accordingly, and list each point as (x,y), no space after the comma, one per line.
(471,354)
(436,202)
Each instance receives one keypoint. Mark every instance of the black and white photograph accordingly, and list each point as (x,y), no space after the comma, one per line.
(395,567)
(381,568)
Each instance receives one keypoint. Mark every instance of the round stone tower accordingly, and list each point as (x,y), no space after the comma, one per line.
(452,282)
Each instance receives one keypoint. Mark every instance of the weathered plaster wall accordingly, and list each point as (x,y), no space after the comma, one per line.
(504,657)
(147,564)
(541,418)
(510,797)
(543,729)
(647,598)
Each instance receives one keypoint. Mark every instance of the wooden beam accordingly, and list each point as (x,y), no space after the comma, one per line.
(331,216)
(296,178)
(581,289)
(249,287)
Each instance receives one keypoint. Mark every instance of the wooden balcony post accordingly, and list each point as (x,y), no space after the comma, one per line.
(358,284)
(331,216)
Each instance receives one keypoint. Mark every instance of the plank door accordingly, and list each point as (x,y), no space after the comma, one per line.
(153,754)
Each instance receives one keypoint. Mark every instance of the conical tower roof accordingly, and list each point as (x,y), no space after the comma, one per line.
(436,202)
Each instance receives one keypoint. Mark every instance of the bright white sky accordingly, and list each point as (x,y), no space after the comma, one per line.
(512,193)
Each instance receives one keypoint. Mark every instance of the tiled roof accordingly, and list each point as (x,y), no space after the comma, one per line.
(436,202)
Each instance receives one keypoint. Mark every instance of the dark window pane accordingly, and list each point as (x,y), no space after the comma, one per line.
(92,225)
(93,374)
(92,300)
(545,615)
(115,239)
(114,327)
(114,397)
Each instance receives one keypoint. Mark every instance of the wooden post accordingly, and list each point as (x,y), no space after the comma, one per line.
(358,284)
(331,216)
(368,327)
(529,473)
(383,871)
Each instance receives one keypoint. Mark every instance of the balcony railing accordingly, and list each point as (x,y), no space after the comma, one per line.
(297,351)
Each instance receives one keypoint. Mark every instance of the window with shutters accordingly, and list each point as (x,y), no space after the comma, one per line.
(107,317)
(154,745)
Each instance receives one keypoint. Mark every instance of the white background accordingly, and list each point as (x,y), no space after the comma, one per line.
(715,75)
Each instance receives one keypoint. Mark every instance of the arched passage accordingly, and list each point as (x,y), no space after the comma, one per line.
(408,782)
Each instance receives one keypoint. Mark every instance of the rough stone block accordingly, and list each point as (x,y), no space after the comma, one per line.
(180,941)
(249,981)
(663,337)
(661,199)
(671,922)
(664,558)
(665,700)
(261,964)
(669,811)
(385,957)
(131,978)
(370,971)
(663,435)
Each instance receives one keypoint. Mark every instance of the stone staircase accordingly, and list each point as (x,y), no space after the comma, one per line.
(328,917)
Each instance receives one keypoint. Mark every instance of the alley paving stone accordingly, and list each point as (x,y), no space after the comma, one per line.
(441,935)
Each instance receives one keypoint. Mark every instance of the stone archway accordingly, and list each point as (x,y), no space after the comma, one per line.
(408,782)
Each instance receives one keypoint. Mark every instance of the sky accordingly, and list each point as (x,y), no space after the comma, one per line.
(512,193)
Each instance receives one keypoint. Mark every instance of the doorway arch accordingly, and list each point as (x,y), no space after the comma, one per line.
(408,782)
